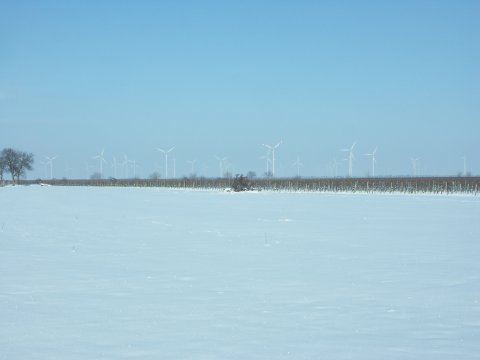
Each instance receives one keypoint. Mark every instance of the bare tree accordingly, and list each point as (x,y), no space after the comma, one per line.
(16,162)
(3,167)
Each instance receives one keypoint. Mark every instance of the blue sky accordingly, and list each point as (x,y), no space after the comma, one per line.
(223,77)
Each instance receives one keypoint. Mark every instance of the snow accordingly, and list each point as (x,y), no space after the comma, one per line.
(137,273)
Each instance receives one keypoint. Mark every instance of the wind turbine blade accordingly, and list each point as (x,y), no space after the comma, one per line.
(171,148)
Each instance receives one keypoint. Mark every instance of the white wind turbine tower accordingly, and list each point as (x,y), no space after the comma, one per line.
(415,165)
(298,164)
(272,150)
(350,159)
(221,163)
(165,152)
(373,160)
(464,157)
(101,160)
(50,162)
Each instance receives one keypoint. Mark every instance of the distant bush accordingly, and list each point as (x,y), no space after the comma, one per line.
(241,183)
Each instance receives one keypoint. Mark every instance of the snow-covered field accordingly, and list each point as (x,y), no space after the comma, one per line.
(117,273)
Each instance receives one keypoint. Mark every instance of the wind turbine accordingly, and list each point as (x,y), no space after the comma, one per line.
(166,159)
(350,159)
(373,160)
(464,157)
(50,162)
(102,160)
(272,150)
(415,165)
(298,164)
(221,163)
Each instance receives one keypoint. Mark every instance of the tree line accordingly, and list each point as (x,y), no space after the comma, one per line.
(15,162)
(406,185)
